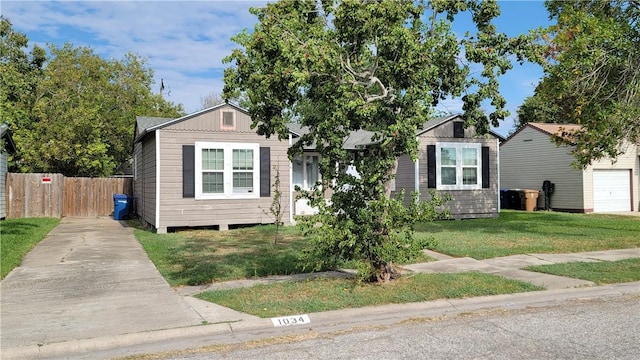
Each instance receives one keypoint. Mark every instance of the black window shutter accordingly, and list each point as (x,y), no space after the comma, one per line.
(485,167)
(458,129)
(431,166)
(265,172)
(188,171)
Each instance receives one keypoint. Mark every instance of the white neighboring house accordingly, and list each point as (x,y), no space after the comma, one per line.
(8,146)
(529,157)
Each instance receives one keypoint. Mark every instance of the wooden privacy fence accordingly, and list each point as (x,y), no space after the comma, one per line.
(54,195)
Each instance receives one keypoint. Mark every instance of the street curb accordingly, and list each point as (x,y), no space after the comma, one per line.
(241,331)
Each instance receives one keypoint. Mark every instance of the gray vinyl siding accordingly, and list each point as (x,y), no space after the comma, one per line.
(529,158)
(137,178)
(481,203)
(148,175)
(445,131)
(211,122)
(405,178)
(177,211)
(3,179)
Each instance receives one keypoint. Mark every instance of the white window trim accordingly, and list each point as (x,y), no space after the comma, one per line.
(458,146)
(228,170)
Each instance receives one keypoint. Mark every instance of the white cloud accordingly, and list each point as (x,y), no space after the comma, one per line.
(184,42)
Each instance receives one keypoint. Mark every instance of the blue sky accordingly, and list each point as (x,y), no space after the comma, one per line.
(184,41)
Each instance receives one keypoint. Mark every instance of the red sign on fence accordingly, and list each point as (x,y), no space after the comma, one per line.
(46,180)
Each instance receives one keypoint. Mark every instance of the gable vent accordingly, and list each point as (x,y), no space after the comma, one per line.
(458,129)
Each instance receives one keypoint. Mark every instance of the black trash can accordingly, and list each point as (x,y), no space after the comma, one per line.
(515,199)
(504,199)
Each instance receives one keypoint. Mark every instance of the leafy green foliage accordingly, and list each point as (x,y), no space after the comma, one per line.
(342,66)
(537,108)
(71,111)
(19,73)
(591,58)
(376,234)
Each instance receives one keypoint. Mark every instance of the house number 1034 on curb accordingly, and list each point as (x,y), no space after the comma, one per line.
(291,320)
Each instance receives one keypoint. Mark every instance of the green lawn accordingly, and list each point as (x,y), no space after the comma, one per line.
(194,257)
(288,298)
(201,256)
(520,232)
(605,272)
(18,237)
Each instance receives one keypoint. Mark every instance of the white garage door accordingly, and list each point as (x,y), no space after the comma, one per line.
(611,190)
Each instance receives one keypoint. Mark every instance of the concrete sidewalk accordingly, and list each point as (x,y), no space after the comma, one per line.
(88,278)
(510,266)
(89,291)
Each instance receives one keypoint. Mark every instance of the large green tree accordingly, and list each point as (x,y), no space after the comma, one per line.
(540,107)
(591,59)
(20,71)
(381,66)
(73,112)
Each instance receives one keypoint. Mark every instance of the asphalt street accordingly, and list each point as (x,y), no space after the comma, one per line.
(603,328)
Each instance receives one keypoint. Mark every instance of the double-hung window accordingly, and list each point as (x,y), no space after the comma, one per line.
(458,166)
(227,170)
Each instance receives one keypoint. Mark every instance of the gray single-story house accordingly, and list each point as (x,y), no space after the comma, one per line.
(8,147)
(529,157)
(211,169)
(455,160)
(208,168)
(451,160)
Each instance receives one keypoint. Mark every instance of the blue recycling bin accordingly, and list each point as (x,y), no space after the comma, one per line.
(121,206)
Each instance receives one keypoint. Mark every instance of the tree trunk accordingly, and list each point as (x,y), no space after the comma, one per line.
(391,171)
(386,272)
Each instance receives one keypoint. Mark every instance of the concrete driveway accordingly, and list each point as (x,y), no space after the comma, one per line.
(89,278)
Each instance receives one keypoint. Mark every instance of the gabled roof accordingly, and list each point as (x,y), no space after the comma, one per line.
(563,130)
(144,124)
(355,140)
(147,125)
(5,134)
(362,138)
(435,122)
(297,129)
(358,139)
(556,129)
